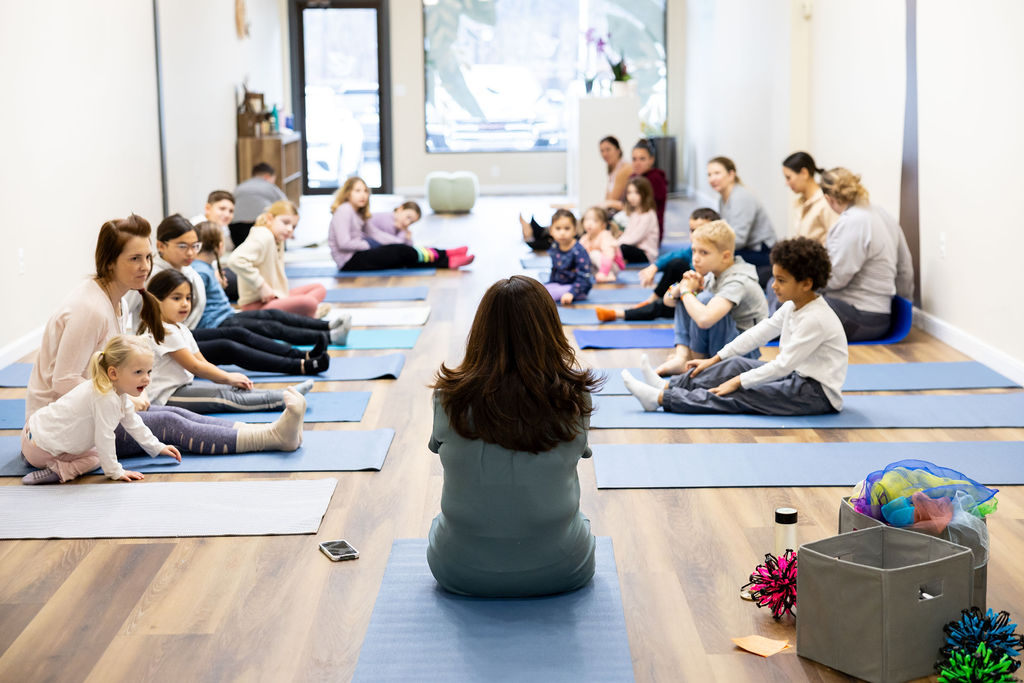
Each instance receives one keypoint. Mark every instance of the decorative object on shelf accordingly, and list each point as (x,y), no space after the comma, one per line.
(983,665)
(598,46)
(241,20)
(250,114)
(980,647)
(773,584)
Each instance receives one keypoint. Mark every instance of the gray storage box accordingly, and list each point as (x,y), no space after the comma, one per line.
(851,520)
(872,603)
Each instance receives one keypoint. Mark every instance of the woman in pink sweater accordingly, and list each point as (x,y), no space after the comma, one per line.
(357,244)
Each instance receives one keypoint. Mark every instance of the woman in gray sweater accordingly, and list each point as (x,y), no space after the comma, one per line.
(870,258)
(510,425)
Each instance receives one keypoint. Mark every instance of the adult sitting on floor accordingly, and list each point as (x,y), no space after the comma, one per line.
(510,425)
(871,261)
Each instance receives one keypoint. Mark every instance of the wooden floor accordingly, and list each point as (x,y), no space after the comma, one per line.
(274,609)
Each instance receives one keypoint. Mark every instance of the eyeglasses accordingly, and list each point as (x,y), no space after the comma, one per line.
(184,246)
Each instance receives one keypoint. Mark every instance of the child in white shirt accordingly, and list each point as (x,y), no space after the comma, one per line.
(807,376)
(179,361)
(75,433)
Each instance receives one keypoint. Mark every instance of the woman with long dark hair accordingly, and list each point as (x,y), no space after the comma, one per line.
(510,425)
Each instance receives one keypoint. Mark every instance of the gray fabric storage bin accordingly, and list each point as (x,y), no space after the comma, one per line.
(851,520)
(860,607)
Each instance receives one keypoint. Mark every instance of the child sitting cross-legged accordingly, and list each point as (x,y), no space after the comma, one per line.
(570,263)
(716,301)
(807,376)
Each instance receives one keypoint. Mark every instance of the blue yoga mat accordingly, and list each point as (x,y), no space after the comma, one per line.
(321,451)
(794,464)
(301,271)
(884,377)
(587,316)
(321,406)
(859,412)
(377,338)
(419,632)
(642,338)
(356,294)
(617,295)
(340,370)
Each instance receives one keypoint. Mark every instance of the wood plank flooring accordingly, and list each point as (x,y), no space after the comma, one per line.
(274,609)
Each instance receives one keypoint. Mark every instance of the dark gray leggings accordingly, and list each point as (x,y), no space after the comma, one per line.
(183,429)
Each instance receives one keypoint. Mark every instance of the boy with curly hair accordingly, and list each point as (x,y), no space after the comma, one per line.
(806,377)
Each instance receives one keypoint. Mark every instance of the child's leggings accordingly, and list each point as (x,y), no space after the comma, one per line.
(181,428)
(216,398)
(68,466)
(278,324)
(397,256)
(301,300)
(789,395)
(238,346)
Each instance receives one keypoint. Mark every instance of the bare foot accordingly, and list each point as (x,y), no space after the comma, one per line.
(527,229)
(673,365)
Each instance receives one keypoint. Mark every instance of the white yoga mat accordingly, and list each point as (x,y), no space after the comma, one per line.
(398,316)
(144,509)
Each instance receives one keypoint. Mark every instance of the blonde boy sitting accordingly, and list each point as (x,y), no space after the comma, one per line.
(716,301)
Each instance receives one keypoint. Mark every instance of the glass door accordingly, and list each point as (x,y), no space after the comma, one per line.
(341,69)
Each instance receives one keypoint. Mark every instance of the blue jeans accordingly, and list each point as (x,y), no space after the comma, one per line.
(705,342)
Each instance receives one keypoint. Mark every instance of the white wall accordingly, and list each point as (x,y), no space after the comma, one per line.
(738,96)
(970,66)
(80,123)
(204,65)
(857,92)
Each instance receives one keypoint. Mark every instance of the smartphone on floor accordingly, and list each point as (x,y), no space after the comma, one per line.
(339,550)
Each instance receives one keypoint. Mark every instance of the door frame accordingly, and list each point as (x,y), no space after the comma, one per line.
(298,68)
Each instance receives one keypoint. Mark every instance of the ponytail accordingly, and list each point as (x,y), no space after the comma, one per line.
(98,371)
(150,318)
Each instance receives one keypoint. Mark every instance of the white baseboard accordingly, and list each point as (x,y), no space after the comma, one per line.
(485,189)
(18,348)
(1000,361)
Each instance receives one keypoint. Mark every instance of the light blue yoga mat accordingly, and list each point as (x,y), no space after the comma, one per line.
(642,338)
(376,338)
(301,271)
(340,370)
(998,463)
(15,375)
(419,632)
(587,316)
(884,377)
(859,412)
(322,406)
(356,294)
(321,451)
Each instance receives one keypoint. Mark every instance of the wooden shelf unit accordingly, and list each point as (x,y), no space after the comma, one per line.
(283,151)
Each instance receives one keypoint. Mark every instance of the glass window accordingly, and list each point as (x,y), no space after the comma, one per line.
(498,72)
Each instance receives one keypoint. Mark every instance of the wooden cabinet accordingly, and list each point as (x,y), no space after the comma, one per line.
(283,151)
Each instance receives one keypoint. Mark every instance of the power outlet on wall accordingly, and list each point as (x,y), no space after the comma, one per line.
(495,171)
(942,245)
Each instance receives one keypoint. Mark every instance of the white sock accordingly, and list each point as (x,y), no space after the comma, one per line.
(645,393)
(303,387)
(339,332)
(286,432)
(650,376)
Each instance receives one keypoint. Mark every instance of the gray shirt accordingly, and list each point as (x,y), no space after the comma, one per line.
(738,283)
(870,259)
(510,522)
(253,197)
(747,218)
